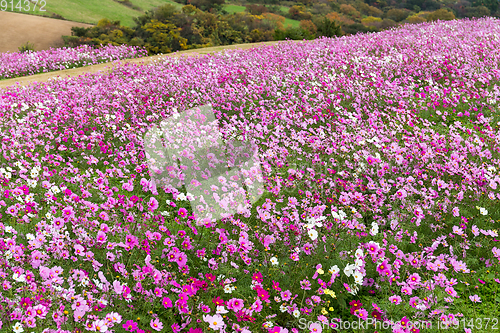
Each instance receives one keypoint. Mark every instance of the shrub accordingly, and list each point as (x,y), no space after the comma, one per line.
(309,26)
(397,15)
(372,21)
(350,11)
(26,47)
(292,33)
(441,14)
(415,19)
(328,28)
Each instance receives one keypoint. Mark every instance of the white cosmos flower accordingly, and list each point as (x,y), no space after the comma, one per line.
(358,277)
(349,269)
(313,234)
(221,309)
(334,269)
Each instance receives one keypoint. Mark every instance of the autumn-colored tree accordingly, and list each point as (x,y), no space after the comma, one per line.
(164,37)
(277,21)
(309,26)
(256,9)
(339,18)
(415,19)
(441,14)
(299,12)
(350,11)
(372,21)
(368,10)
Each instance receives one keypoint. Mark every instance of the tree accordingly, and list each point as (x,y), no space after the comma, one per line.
(441,14)
(415,19)
(372,21)
(350,11)
(353,29)
(368,10)
(275,20)
(309,26)
(256,9)
(164,37)
(328,28)
(492,5)
(298,12)
(478,11)
(340,18)
(397,15)
(293,34)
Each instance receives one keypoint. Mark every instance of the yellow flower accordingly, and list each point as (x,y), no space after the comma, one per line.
(320,271)
(323,311)
(330,308)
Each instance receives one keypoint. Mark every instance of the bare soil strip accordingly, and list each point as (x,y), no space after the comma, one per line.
(16,29)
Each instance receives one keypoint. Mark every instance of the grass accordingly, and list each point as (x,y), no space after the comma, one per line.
(293,23)
(234,9)
(91,11)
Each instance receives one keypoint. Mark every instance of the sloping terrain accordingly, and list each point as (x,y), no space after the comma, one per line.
(17,29)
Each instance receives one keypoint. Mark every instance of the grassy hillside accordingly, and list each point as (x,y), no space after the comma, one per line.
(91,11)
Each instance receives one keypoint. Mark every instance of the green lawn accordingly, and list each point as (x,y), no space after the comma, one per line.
(234,9)
(293,23)
(91,11)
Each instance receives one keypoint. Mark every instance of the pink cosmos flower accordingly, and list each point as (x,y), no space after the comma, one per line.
(215,322)
(314,327)
(153,204)
(395,299)
(156,324)
(235,304)
(475,298)
(182,212)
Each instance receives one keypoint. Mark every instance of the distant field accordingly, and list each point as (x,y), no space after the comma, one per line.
(91,11)
(293,23)
(230,8)
(234,8)
(17,29)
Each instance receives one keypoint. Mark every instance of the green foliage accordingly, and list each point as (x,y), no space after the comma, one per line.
(397,15)
(292,33)
(492,5)
(328,28)
(441,14)
(353,29)
(164,38)
(26,47)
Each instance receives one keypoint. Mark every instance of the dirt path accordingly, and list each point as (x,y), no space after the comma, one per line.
(17,29)
(43,77)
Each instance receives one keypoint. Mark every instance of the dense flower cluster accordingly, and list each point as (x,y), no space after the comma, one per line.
(29,63)
(379,158)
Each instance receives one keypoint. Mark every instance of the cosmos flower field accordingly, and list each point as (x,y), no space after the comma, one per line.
(29,63)
(379,159)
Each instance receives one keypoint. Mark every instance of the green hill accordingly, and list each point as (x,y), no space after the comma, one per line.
(91,11)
